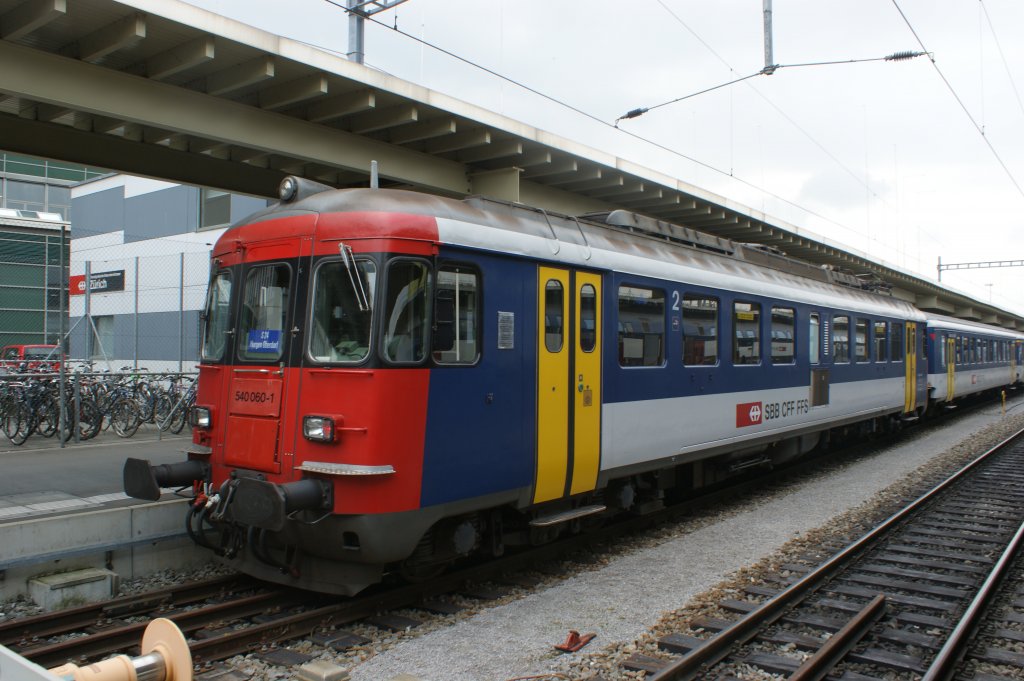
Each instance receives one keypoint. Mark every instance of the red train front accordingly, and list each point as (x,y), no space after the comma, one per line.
(308,443)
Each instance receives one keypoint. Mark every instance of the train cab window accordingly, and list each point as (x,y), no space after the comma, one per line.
(340,330)
(896,349)
(861,340)
(554,315)
(406,327)
(814,339)
(746,325)
(641,326)
(841,339)
(217,316)
(457,316)
(588,318)
(881,341)
(700,330)
(264,313)
(783,328)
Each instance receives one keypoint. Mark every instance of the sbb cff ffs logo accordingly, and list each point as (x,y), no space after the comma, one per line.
(748,414)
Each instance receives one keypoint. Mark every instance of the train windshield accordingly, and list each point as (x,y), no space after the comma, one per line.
(340,329)
(218,306)
(264,313)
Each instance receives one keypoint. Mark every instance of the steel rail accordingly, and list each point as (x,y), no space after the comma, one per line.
(947,660)
(742,630)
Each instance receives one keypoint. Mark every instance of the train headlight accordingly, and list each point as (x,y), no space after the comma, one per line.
(200,417)
(318,428)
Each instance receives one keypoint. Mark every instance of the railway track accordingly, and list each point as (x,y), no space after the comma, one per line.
(903,602)
(235,615)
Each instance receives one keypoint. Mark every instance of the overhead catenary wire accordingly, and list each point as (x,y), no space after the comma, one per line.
(952,91)
(640,138)
(767,71)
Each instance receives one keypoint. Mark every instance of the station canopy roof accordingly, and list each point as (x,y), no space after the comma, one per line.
(164,89)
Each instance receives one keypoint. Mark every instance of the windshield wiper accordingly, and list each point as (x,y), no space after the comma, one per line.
(353,275)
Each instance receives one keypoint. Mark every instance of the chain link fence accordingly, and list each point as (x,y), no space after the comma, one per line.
(138,312)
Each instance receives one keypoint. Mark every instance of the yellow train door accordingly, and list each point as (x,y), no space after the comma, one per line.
(910,391)
(568,383)
(950,368)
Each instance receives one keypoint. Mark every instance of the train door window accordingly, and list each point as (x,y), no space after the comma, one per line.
(881,341)
(700,330)
(406,327)
(783,328)
(340,330)
(641,326)
(814,339)
(457,316)
(217,316)
(940,347)
(958,343)
(896,349)
(861,340)
(588,318)
(554,315)
(841,339)
(265,300)
(746,324)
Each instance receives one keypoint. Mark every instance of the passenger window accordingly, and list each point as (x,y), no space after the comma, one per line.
(641,326)
(746,324)
(406,330)
(959,344)
(896,345)
(457,316)
(588,318)
(881,344)
(265,302)
(554,314)
(340,330)
(814,339)
(700,330)
(861,340)
(841,339)
(783,326)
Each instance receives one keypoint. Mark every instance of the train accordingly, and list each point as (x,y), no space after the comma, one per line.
(392,381)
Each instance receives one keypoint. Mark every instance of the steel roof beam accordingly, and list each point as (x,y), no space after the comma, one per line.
(303,89)
(31,16)
(240,76)
(109,39)
(562,166)
(467,139)
(490,152)
(181,58)
(52,79)
(342,105)
(372,121)
(425,130)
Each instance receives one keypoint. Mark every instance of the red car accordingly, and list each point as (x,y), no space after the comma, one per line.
(34,357)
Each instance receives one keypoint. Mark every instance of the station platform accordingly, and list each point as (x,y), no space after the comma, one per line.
(62,510)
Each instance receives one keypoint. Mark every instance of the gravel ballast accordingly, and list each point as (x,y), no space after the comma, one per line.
(621,598)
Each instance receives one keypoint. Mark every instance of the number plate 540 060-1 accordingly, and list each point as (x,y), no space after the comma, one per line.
(255,396)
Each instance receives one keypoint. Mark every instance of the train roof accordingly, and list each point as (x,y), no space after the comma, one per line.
(965,326)
(619,241)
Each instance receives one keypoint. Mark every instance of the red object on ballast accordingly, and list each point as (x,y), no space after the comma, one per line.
(574,641)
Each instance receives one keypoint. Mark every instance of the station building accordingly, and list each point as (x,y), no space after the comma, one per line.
(35,209)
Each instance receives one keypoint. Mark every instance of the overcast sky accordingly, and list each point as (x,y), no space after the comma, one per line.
(880,156)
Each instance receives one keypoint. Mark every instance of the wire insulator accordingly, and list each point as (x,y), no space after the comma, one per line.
(634,113)
(900,56)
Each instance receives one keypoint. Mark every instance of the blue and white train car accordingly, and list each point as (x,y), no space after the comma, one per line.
(966,358)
